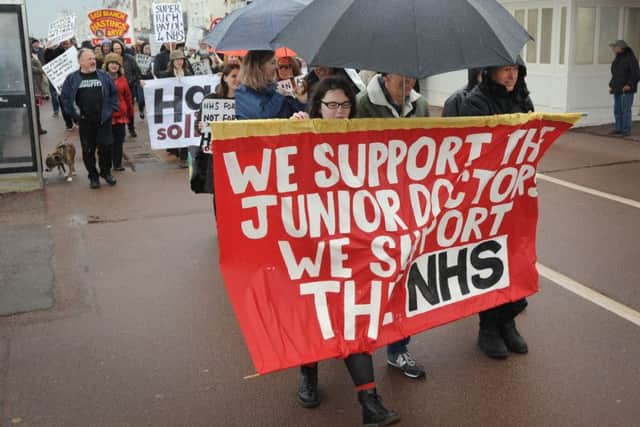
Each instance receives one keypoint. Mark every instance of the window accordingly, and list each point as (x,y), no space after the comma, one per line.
(546,28)
(563,35)
(585,35)
(609,18)
(532,28)
(632,28)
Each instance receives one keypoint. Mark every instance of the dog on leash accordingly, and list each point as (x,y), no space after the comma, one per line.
(65,154)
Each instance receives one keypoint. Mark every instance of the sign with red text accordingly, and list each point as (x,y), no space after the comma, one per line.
(171,109)
(338,237)
(109,24)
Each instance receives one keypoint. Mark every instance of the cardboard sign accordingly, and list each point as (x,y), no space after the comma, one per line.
(215,110)
(168,25)
(58,69)
(194,35)
(171,109)
(199,67)
(341,236)
(110,23)
(144,62)
(285,87)
(60,30)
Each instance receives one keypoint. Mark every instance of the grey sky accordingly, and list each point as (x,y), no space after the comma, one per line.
(41,12)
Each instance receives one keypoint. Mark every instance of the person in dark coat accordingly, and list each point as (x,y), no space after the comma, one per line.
(133,74)
(453,104)
(623,85)
(502,91)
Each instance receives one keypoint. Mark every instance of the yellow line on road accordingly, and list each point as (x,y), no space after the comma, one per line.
(590,295)
(609,196)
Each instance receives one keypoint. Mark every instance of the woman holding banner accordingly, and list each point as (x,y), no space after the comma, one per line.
(257,97)
(333,98)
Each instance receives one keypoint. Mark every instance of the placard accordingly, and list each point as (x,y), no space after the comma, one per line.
(109,24)
(168,25)
(60,30)
(58,69)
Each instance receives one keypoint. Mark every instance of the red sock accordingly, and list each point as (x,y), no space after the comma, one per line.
(367,386)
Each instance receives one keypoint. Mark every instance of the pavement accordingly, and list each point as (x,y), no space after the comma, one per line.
(131,324)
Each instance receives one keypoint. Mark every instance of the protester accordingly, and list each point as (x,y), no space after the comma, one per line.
(502,91)
(38,77)
(288,68)
(202,177)
(50,56)
(93,91)
(623,85)
(161,60)
(232,59)
(113,66)
(453,104)
(177,68)
(256,97)
(319,73)
(334,99)
(106,46)
(132,73)
(388,96)
(97,50)
(43,84)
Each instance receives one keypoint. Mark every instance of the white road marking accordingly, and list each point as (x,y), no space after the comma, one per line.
(590,295)
(609,196)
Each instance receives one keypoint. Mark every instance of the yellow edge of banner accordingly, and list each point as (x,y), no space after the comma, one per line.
(245,128)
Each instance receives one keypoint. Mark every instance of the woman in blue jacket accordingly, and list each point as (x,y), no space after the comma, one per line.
(256,97)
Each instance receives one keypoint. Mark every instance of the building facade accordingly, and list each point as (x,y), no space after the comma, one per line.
(569,60)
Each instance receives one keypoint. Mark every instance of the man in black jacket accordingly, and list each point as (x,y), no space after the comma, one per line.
(502,91)
(623,85)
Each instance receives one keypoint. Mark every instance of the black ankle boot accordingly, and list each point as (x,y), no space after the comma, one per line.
(491,342)
(373,413)
(308,388)
(512,337)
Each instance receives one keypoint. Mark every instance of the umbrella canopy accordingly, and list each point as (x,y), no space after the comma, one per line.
(254,26)
(415,38)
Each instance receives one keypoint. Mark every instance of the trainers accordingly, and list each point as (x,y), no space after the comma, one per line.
(406,363)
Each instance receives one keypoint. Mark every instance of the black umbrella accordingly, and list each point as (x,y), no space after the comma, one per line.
(416,38)
(252,27)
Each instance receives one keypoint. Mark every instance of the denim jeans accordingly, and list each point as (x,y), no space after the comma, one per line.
(622,103)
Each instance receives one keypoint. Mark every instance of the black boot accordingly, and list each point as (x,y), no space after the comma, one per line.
(308,388)
(512,338)
(491,342)
(109,178)
(373,413)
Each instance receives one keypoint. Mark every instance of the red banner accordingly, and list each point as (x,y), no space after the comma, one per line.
(338,237)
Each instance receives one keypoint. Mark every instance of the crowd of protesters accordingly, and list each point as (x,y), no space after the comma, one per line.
(320,93)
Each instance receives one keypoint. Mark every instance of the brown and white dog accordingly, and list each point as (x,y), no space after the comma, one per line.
(65,154)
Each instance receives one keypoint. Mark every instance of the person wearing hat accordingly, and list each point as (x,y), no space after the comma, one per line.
(178,68)
(113,65)
(501,91)
(623,85)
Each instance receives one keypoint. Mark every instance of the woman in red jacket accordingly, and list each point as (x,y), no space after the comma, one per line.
(113,66)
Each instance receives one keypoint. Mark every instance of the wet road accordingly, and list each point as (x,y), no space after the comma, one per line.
(142,333)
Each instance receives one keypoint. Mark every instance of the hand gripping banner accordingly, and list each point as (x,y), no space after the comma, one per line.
(338,237)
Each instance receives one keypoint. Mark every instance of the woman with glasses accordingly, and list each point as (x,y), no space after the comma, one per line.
(256,97)
(333,98)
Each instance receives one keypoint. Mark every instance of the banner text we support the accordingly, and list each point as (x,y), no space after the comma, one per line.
(371,230)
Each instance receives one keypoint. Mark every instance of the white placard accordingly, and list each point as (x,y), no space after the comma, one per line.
(61,29)
(144,62)
(58,69)
(285,87)
(171,109)
(199,67)
(215,110)
(168,25)
(194,35)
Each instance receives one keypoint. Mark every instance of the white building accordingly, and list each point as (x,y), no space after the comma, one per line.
(568,64)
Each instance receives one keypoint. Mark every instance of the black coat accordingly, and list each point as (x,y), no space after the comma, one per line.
(453,104)
(624,71)
(489,98)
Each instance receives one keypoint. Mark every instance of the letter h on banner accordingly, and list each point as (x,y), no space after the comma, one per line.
(160,105)
(352,310)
